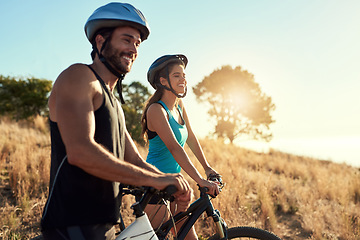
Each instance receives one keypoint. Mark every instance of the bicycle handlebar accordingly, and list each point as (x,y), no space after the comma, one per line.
(214,178)
(137,191)
(147,193)
(168,192)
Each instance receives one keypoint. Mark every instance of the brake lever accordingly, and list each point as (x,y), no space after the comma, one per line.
(216,178)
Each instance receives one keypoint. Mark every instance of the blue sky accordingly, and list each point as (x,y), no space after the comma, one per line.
(304,54)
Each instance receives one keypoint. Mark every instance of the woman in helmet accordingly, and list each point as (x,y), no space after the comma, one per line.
(167,127)
(91,150)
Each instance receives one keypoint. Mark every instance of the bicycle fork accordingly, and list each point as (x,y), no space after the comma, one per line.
(219,222)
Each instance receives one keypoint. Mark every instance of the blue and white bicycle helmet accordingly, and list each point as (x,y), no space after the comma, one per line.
(161,63)
(115,15)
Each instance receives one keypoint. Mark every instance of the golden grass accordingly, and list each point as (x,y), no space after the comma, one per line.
(295,197)
(24,177)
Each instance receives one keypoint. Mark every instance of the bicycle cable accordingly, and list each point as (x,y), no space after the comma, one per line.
(172,217)
(152,215)
(156,210)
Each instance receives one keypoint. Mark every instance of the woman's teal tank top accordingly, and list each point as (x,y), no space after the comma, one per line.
(158,154)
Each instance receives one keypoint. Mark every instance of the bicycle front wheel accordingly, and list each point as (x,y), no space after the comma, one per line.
(247,233)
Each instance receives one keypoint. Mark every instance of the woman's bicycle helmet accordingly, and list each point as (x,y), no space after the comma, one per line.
(115,15)
(161,63)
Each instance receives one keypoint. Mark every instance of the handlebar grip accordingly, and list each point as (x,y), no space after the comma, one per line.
(170,190)
(203,189)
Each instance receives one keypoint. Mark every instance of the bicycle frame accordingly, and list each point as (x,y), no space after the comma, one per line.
(203,204)
(140,229)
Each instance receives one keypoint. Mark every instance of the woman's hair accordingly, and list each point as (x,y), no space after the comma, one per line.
(157,94)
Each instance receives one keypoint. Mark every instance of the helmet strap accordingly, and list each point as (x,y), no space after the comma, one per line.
(119,75)
(119,88)
(171,88)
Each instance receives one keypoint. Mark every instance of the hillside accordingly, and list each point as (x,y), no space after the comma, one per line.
(295,197)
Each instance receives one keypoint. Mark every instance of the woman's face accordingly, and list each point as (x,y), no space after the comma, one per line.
(177,79)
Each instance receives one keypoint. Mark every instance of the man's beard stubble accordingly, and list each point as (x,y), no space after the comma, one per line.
(114,58)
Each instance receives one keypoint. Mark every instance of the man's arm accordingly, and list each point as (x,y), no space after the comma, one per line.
(73,107)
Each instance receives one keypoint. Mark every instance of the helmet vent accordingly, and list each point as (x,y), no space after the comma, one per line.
(127,9)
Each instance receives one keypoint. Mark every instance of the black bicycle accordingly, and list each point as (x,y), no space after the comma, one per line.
(196,209)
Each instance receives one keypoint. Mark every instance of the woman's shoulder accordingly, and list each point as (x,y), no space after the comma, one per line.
(156,108)
(155,111)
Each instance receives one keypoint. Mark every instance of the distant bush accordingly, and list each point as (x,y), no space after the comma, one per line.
(24,98)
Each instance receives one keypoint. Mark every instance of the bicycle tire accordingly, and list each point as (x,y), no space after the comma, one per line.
(247,233)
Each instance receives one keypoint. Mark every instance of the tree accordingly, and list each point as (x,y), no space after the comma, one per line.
(24,98)
(237,103)
(135,96)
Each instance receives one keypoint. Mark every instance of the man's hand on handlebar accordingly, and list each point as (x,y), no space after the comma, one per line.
(183,195)
(183,200)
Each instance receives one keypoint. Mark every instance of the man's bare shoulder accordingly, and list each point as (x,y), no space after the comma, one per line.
(75,86)
(75,74)
(76,82)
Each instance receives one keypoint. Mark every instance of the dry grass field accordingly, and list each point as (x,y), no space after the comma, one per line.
(293,196)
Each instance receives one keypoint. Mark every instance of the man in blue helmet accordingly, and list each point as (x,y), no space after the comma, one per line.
(91,150)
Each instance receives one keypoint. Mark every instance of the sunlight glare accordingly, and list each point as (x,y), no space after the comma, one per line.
(237,100)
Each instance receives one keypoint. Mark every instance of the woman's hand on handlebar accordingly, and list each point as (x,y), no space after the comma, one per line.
(210,171)
(212,186)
